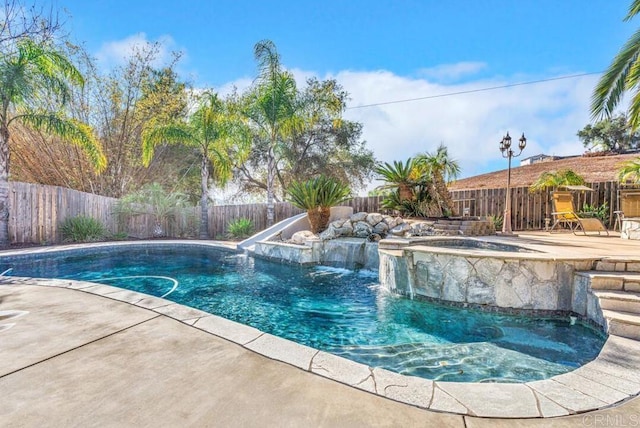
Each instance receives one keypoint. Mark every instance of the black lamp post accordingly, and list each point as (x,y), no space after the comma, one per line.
(505,149)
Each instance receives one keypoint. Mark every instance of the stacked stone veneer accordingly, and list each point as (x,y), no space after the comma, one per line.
(492,279)
(342,252)
(630,228)
(351,241)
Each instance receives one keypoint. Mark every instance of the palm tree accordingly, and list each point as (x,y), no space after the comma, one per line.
(622,75)
(32,78)
(630,171)
(317,196)
(399,176)
(215,132)
(441,169)
(564,177)
(272,109)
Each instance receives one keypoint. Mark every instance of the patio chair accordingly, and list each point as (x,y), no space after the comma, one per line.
(629,206)
(564,214)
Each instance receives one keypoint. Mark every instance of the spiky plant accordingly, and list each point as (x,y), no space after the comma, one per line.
(240,228)
(441,169)
(418,206)
(317,196)
(630,171)
(83,229)
(402,176)
(622,75)
(564,177)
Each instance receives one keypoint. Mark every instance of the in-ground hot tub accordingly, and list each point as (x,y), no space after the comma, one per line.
(484,273)
(475,244)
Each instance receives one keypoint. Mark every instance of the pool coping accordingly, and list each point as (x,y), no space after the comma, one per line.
(612,378)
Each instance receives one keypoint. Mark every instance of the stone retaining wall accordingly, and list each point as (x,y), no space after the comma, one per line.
(493,279)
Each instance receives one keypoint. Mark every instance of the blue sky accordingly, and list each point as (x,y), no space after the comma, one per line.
(393,50)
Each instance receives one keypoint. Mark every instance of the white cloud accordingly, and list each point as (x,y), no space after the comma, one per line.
(451,72)
(116,52)
(471,125)
(240,85)
(243,83)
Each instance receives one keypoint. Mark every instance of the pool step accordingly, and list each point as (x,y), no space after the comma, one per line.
(618,264)
(618,293)
(622,301)
(624,324)
(622,281)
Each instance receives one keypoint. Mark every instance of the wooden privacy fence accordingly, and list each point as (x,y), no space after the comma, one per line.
(221,215)
(38,211)
(529,210)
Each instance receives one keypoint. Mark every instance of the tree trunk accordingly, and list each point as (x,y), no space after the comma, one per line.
(271,175)
(318,218)
(405,192)
(445,201)
(4,187)
(204,199)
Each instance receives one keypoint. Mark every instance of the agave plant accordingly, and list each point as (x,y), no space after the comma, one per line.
(630,171)
(240,228)
(317,196)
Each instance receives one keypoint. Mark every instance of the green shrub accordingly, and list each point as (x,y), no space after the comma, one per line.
(416,206)
(240,228)
(120,236)
(497,221)
(83,229)
(601,212)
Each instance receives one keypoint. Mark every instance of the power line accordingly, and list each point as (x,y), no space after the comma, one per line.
(471,91)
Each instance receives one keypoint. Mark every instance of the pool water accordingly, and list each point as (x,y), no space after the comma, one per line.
(477,245)
(340,311)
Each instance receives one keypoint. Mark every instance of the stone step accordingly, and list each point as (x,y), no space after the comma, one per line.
(623,324)
(619,264)
(619,301)
(603,280)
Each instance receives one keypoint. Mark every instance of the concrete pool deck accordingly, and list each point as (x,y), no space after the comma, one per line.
(82,354)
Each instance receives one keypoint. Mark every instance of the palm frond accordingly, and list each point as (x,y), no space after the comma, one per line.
(268,59)
(565,177)
(613,83)
(397,173)
(630,171)
(319,192)
(178,133)
(634,9)
(440,163)
(75,132)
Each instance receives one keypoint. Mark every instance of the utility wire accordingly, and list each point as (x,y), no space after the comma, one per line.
(471,91)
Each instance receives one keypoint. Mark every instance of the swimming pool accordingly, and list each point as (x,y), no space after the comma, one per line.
(341,311)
